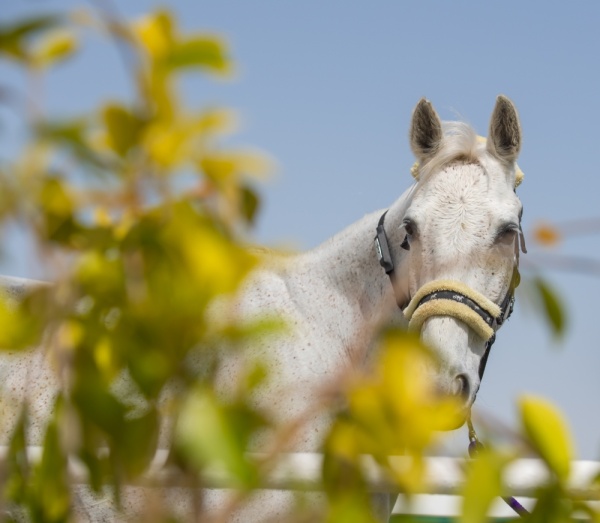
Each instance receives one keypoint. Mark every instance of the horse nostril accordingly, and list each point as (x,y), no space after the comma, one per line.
(462,387)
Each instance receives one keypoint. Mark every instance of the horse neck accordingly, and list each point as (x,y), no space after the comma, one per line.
(348,266)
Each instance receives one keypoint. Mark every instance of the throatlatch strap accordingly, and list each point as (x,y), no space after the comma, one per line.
(452,298)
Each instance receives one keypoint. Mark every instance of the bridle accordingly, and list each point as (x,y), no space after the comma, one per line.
(461,302)
(481,314)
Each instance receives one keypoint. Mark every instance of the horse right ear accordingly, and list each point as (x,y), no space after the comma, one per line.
(425,131)
(504,140)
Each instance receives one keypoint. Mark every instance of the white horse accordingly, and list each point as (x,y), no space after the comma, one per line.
(445,253)
(453,236)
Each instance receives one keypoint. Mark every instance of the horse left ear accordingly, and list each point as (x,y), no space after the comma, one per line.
(504,139)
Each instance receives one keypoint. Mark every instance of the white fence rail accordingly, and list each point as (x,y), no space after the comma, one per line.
(445,476)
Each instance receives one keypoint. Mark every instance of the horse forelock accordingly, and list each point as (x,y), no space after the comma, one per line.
(460,142)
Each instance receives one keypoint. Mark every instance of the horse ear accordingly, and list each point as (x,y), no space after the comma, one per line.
(425,130)
(504,140)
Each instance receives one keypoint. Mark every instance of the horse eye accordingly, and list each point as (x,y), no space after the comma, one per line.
(409,228)
(507,234)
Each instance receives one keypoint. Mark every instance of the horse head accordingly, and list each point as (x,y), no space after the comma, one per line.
(461,232)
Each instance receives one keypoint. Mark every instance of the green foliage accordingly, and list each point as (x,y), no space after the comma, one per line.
(15,39)
(144,261)
(548,303)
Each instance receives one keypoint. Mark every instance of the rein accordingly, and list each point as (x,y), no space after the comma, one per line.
(452,298)
(475,447)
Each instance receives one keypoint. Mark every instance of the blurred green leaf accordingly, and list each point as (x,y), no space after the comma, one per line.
(214,435)
(351,507)
(13,36)
(204,52)
(72,135)
(341,476)
(58,206)
(552,506)
(18,468)
(149,366)
(138,442)
(93,465)
(51,492)
(101,274)
(22,323)
(552,307)
(250,204)
(548,433)
(53,47)
(123,127)
(483,484)
(95,402)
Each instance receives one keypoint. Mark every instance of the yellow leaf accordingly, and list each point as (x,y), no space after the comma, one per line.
(483,484)
(155,33)
(102,217)
(70,334)
(55,198)
(90,267)
(105,358)
(53,47)
(342,441)
(216,121)
(220,266)
(17,327)
(548,432)
(222,167)
(547,235)
(99,272)
(396,410)
(166,143)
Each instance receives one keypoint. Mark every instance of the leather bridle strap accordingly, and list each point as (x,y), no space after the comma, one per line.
(450,298)
(506,308)
(384,254)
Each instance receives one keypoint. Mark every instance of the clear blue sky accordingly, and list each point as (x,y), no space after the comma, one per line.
(327,88)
